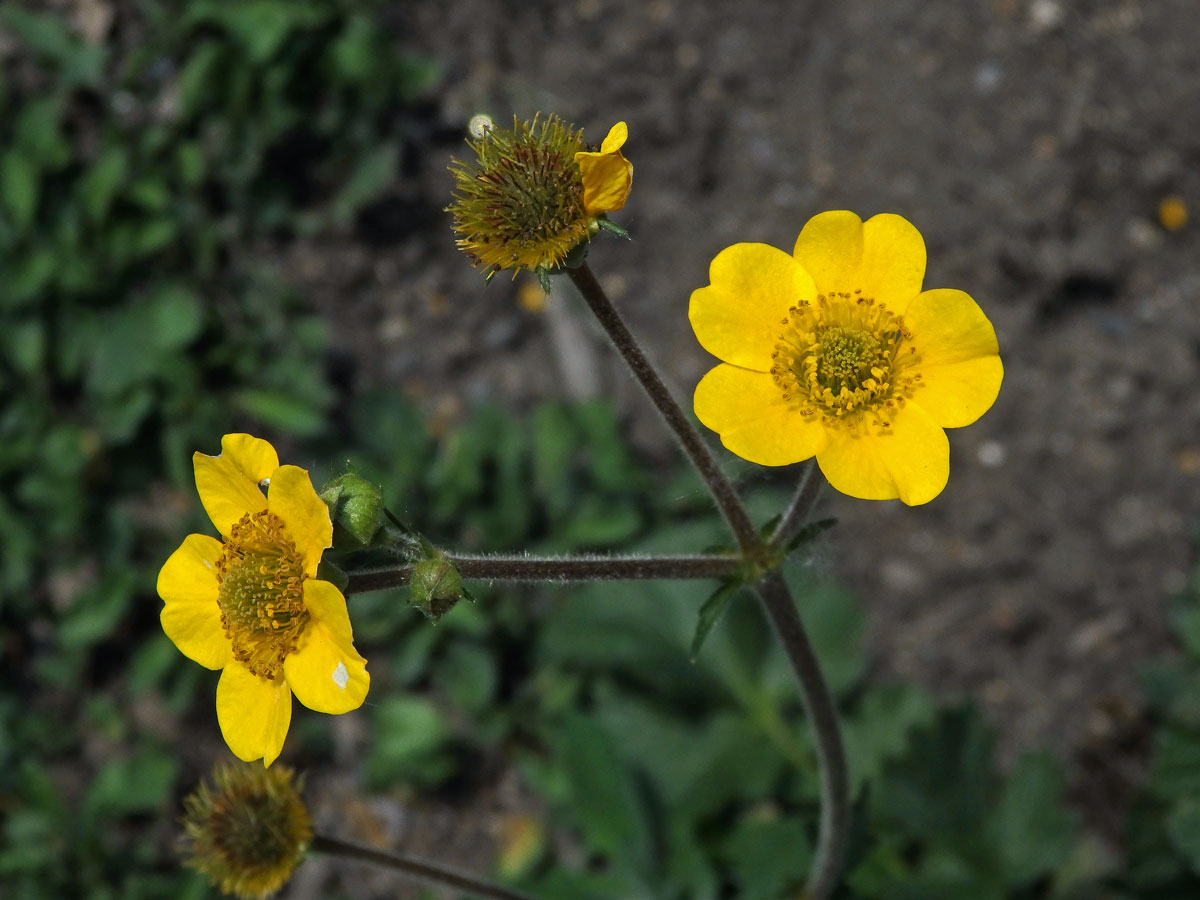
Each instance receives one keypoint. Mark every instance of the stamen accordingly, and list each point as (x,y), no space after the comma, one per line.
(840,358)
(260,576)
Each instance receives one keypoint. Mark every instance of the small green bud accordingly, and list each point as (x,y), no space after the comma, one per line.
(436,584)
(356,507)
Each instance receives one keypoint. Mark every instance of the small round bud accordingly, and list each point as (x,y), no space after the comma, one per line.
(248,829)
(355,505)
(436,585)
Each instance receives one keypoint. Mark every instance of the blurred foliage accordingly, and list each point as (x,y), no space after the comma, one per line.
(141,178)
(140,181)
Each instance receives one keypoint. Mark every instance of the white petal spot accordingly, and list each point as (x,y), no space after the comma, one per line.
(340,675)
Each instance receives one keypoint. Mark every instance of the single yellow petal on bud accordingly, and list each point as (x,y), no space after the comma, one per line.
(607,174)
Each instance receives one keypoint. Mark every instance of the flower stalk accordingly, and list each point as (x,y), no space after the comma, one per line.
(647,376)
(422,870)
(834,830)
(561,569)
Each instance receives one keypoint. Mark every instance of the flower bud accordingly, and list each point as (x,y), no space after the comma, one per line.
(355,505)
(535,194)
(436,584)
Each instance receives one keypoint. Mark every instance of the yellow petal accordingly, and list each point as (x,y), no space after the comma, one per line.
(228,484)
(254,713)
(739,316)
(883,257)
(325,672)
(911,462)
(748,410)
(293,498)
(957,352)
(190,616)
(607,176)
(615,139)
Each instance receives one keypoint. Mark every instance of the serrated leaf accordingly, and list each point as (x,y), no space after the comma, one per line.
(712,610)
(1035,830)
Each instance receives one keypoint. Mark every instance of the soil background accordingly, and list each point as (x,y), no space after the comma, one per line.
(1030,141)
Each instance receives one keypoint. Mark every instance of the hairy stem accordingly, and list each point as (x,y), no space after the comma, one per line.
(772,590)
(804,501)
(834,831)
(693,445)
(429,872)
(561,569)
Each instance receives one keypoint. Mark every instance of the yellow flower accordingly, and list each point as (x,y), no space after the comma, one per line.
(607,175)
(248,829)
(835,352)
(534,192)
(252,607)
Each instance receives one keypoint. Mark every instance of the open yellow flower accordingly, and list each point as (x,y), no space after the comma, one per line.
(607,175)
(251,605)
(836,352)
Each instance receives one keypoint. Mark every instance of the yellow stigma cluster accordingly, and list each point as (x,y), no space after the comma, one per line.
(844,358)
(520,204)
(260,574)
(247,830)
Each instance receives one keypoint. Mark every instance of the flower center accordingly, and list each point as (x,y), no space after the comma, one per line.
(844,358)
(259,576)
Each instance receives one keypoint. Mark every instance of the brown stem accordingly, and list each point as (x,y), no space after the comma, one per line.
(693,445)
(420,869)
(808,492)
(562,569)
(834,831)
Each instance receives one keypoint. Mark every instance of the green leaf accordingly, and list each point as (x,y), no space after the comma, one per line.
(46,35)
(810,532)
(881,726)
(280,410)
(39,132)
(603,800)
(712,610)
(371,176)
(137,784)
(1183,827)
(20,187)
(1175,767)
(769,856)
(28,277)
(410,743)
(194,85)
(468,673)
(260,26)
(1034,828)
(102,181)
(835,625)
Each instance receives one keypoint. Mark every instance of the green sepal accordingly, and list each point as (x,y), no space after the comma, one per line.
(436,585)
(809,532)
(327,571)
(356,508)
(543,277)
(711,611)
(769,526)
(612,227)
